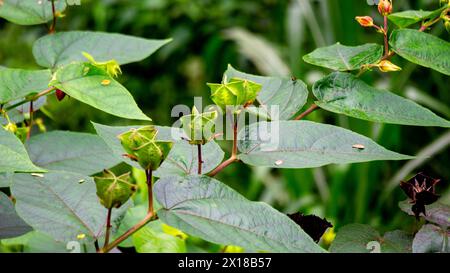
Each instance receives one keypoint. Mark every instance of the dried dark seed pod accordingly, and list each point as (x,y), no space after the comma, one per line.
(313,225)
(421,190)
(60,95)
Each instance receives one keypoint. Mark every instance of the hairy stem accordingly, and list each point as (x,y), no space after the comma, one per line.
(234,151)
(108,227)
(149,175)
(307,112)
(386,38)
(30,126)
(53,26)
(35,97)
(200,160)
(149,217)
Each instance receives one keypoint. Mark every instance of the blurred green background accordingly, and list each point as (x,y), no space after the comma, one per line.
(266,37)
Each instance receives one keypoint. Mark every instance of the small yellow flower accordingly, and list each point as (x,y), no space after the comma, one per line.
(12,127)
(387,66)
(81,236)
(329,236)
(233,249)
(111,67)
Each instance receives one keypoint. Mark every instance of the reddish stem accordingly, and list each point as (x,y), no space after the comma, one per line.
(200,160)
(108,227)
(307,112)
(149,174)
(386,40)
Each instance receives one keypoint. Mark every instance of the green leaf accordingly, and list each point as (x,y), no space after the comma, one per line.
(422,48)
(431,239)
(207,208)
(344,93)
(437,213)
(95,87)
(65,47)
(306,144)
(344,58)
(151,239)
(358,238)
(61,204)
(13,156)
(70,151)
(409,17)
(289,95)
(11,225)
(181,160)
(5,180)
(18,83)
(29,12)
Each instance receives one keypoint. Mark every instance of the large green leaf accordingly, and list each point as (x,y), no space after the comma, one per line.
(70,151)
(95,87)
(431,239)
(422,48)
(306,144)
(65,47)
(151,239)
(11,225)
(181,160)
(205,207)
(61,204)
(5,180)
(343,93)
(357,238)
(344,58)
(13,156)
(409,17)
(18,83)
(29,12)
(287,94)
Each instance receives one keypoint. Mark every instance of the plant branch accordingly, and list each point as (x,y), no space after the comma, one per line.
(30,126)
(234,151)
(149,217)
(149,175)
(35,97)
(97,248)
(53,26)
(386,38)
(307,112)
(108,227)
(200,160)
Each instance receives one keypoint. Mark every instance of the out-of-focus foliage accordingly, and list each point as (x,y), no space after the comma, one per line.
(207,36)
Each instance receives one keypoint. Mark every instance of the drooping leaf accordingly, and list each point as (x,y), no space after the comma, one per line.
(65,47)
(358,238)
(431,239)
(151,239)
(287,94)
(344,93)
(18,83)
(409,17)
(13,156)
(70,151)
(422,48)
(306,144)
(29,12)
(344,58)
(437,213)
(11,225)
(181,160)
(204,207)
(61,204)
(95,87)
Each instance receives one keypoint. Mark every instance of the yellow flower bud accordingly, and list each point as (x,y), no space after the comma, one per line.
(387,66)
(385,7)
(12,127)
(111,67)
(365,21)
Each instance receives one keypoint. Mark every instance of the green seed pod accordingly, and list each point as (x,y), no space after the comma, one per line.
(199,127)
(113,191)
(142,146)
(236,92)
